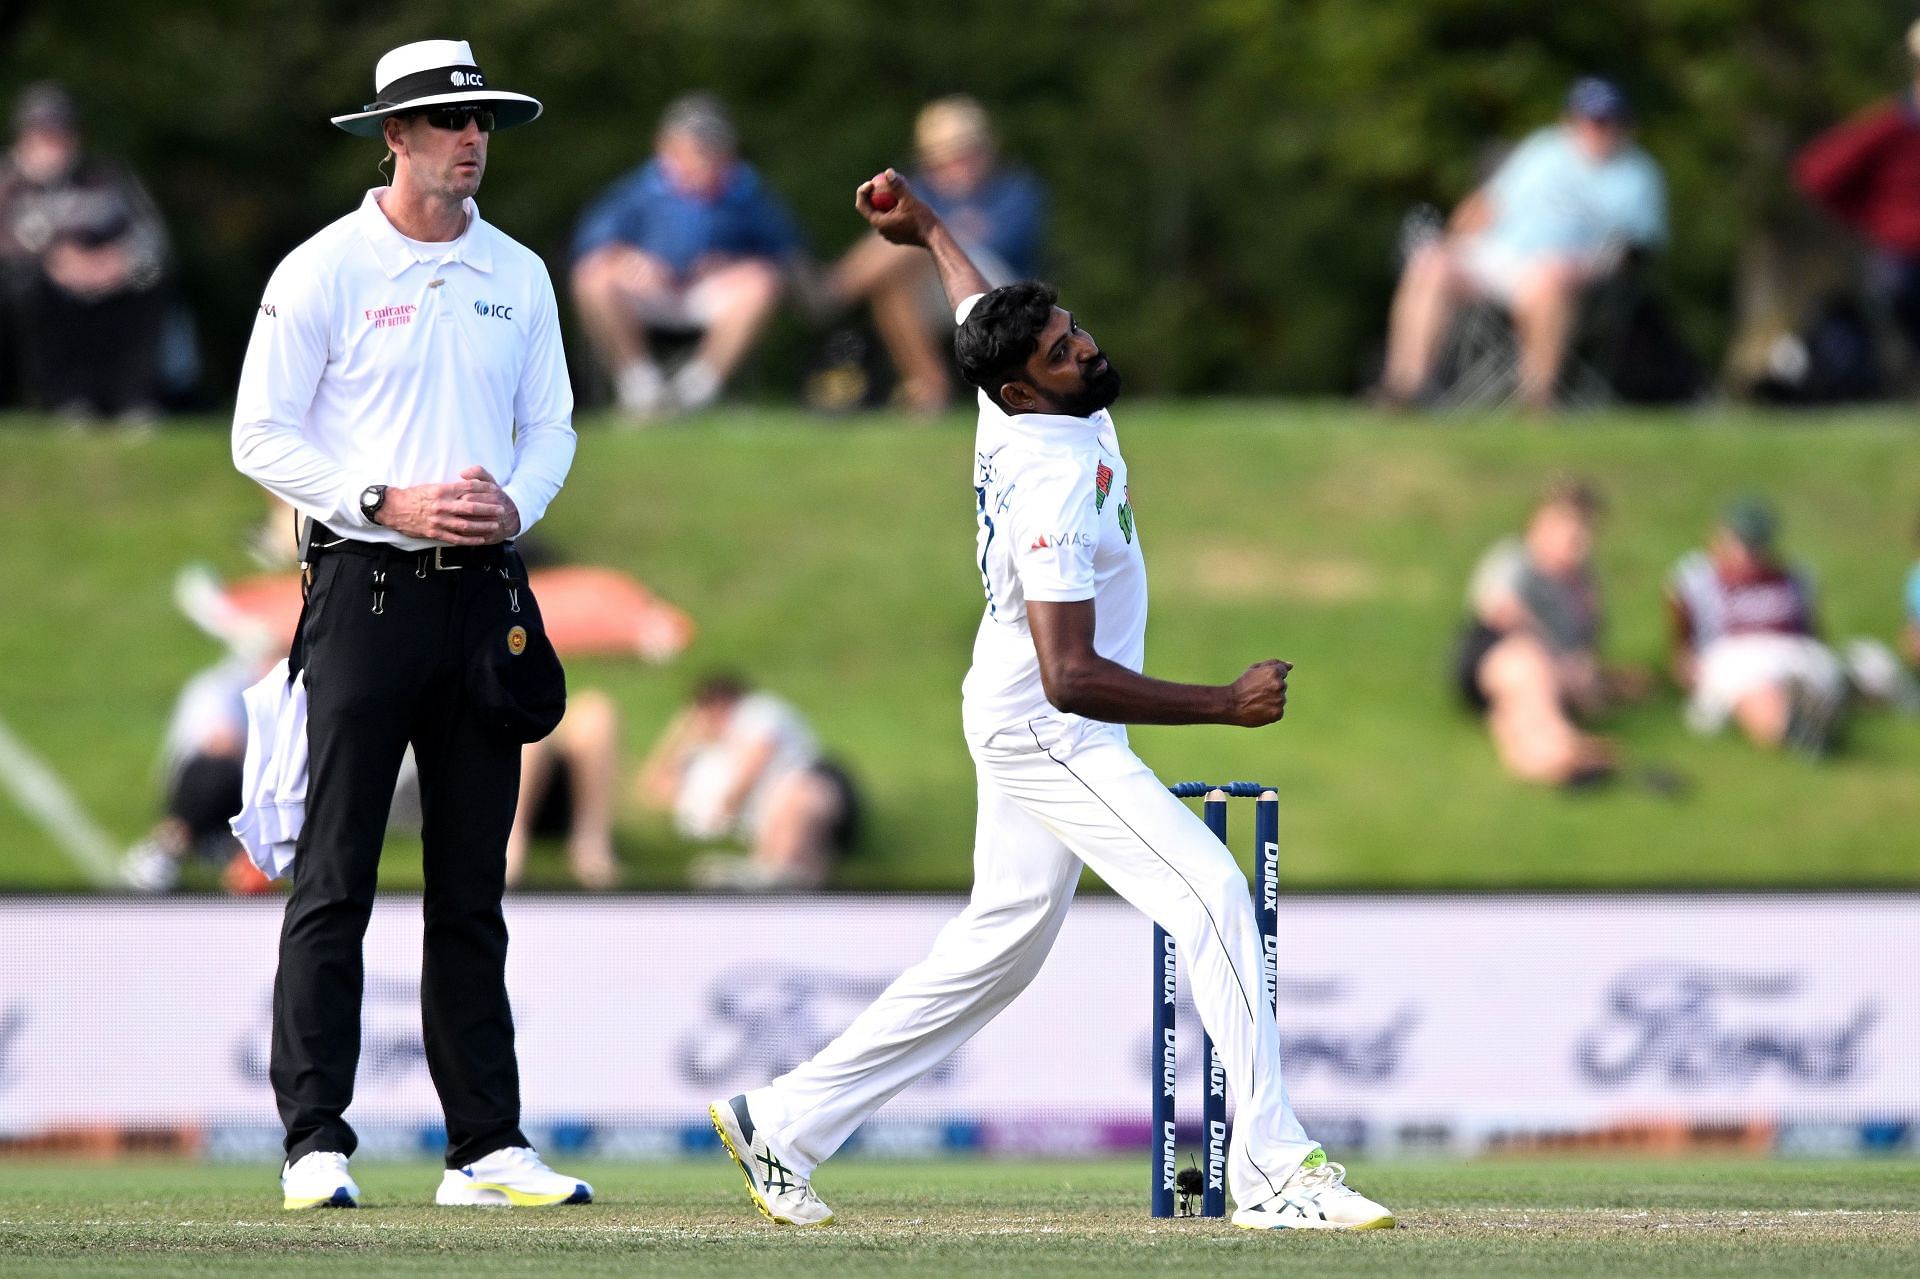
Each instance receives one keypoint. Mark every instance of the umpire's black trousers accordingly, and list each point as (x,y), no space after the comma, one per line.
(387,641)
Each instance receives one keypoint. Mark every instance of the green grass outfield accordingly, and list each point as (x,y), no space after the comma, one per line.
(1500,1217)
(834,562)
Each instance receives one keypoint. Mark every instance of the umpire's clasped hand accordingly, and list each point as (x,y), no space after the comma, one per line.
(471,511)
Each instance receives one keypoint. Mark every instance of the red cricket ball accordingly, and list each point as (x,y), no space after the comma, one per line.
(882,197)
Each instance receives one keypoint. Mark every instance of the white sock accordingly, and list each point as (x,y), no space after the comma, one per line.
(640,387)
(696,385)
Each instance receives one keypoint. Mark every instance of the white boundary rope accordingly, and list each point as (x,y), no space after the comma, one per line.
(41,795)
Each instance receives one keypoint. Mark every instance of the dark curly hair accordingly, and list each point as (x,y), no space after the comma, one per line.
(1001,333)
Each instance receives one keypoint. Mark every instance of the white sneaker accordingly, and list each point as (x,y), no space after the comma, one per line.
(318,1180)
(642,392)
(511,1175)
(782,1196)
(695,385)
(149,867)
(1317,1197)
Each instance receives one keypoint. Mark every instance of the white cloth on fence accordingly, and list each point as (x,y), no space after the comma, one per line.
(274,777)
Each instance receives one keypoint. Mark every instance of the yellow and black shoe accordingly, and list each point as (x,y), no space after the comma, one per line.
(782,1195)
(1317,1197)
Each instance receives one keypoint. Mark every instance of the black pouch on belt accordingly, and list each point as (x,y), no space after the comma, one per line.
(518,685)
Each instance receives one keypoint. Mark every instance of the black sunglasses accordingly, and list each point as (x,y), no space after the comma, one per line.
(454,119)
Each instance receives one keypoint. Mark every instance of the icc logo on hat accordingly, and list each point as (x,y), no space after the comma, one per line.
(434,73)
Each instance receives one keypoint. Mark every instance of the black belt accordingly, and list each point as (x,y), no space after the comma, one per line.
(324,541)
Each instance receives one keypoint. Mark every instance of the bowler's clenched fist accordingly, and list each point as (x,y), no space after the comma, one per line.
(1260,696)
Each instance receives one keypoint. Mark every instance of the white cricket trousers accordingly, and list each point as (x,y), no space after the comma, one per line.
(1044,812)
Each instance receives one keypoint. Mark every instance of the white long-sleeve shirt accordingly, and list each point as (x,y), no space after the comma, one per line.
(1055,523)
(377,359)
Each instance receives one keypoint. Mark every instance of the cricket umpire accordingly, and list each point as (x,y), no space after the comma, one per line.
(406,392)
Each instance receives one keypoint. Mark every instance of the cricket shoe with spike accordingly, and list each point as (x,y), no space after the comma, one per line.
(512,1175)
(318,1179)
(783,1196)
(1317,1197)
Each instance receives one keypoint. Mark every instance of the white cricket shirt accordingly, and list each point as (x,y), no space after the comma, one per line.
(1055,523)
(377,359)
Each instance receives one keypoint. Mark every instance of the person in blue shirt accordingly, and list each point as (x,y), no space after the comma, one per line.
(693,240)
(1910,638)
(1561,212)
(996,211)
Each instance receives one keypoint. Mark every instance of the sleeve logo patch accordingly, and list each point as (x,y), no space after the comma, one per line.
(517,640)
(1102,485)
(1126,514)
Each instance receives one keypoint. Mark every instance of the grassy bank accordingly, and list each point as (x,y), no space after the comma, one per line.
(832,562)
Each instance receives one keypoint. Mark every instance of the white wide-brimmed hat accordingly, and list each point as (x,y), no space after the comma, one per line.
(434,73)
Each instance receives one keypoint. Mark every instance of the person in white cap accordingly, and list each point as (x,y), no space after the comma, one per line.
(1056,676)
(406,392)
(997,210)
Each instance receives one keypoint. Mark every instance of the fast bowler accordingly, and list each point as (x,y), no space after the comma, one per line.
(1055,677)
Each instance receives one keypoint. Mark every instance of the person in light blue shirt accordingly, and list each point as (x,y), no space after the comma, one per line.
(1561,212)
(997,211)
(1910,638)
(692,240)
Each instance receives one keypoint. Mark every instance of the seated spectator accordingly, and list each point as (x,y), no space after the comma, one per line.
(566,788)
(1866,173)
(201,759)
(1529,661)
(82,255)
(1746,639)
(567,783)
(691,242)
(1562,212)
(567,780)
(1910,637)
(997,212)
(745,764)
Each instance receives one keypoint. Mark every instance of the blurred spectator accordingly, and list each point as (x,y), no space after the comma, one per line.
(692,242)
(566,788)
(567,783)
(998,213)
(201,758)
(1745,638)
(744,763)
(1866,172)
(1910,637)
(82,254)
(1562,212)
(1529,661)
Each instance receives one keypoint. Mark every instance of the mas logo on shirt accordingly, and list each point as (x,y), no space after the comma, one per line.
(1054,540)
(1102,485)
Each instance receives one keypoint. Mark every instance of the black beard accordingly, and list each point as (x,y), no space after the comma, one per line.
(1097,392)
